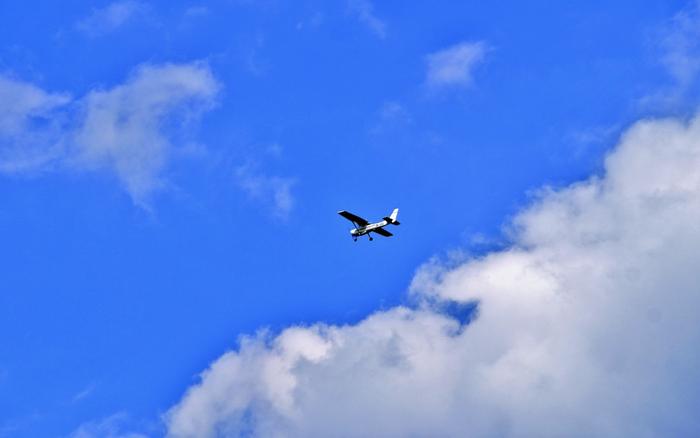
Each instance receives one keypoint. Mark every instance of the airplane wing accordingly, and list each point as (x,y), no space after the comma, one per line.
(353,218)
(382,231)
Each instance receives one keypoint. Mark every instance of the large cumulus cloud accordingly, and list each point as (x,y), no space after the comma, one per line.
(587,325)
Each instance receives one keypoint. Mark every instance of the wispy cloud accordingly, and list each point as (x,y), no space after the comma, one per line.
(391,116)
(84,393)
(680,41)
(454,66)
(275,192)
(197,11)
(27,102)
(586,325)
(364,11)
(114,426)
(122,130)
(393,111)
(29,134)
(314,21)
(585,141)
(677,44)
(107,19)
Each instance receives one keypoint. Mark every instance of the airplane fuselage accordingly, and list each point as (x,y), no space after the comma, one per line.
(361,231)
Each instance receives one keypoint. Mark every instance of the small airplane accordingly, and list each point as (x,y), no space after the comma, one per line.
(362,226)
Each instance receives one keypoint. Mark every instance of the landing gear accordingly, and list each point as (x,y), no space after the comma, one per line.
(370,238)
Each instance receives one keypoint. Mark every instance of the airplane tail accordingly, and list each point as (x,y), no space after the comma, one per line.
(392,219)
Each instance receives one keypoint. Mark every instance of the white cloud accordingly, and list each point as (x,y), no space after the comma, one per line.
(453,66)
(587,326)
(364,11)
(273,191)
(123,130)
(107,19)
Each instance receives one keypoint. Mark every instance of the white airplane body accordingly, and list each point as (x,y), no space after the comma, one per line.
(362,226)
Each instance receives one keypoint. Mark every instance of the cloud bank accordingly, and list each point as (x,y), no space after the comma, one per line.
(124,130)
(586,326)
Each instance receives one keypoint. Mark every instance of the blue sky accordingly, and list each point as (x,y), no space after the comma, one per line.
(131,259)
